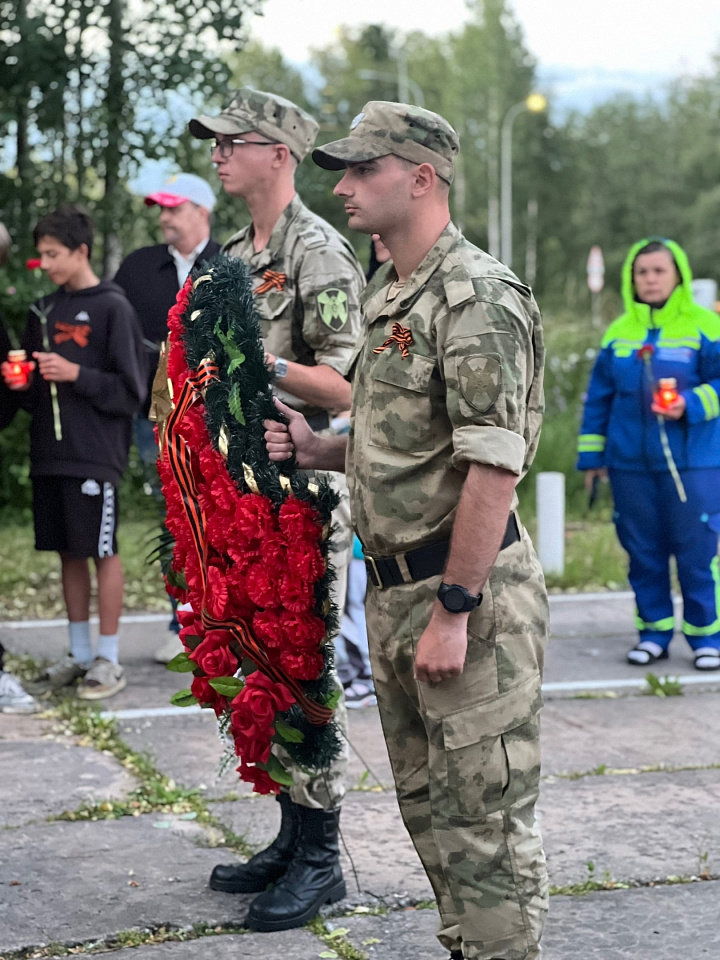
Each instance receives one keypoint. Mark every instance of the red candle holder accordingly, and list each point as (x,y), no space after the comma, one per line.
(666,393)
(20,368)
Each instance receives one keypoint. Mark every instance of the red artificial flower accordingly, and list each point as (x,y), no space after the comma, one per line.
(274,554)
(254,517)
(217,530)
(177,593)
(303,631)
(253,715)
(33,264)
(175,324)
(299,520)
(206,695)
(260,779)
(296,595)
(302,665)
(216,593)
(190,627)
(305,560)
(268,627)
(262,588)
(214,656)
(224,493)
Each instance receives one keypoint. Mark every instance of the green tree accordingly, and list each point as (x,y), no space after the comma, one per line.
(95,87)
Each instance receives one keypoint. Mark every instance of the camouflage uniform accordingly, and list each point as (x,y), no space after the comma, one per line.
(465,752)
(307,285)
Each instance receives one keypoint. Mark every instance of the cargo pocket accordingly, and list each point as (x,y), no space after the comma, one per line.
(487,748)
(401,417)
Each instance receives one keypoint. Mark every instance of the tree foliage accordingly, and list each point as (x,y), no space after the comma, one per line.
(95,87)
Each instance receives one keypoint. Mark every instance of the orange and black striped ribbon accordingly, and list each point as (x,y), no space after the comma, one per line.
(401,336)
(180,458)
(315,712)
(272,279)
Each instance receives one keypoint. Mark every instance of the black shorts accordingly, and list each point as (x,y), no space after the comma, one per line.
(76,517)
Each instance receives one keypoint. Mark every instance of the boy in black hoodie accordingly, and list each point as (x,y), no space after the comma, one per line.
(87,385)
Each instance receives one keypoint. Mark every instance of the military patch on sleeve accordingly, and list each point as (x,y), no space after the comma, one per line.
(333,306)
(480,381)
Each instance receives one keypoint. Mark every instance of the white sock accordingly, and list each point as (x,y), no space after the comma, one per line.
(80,646)
(108,647)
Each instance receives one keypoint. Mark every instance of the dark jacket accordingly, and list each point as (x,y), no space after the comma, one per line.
(149,278)
(97,329)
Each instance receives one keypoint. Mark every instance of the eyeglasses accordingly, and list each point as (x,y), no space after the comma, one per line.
(225,147)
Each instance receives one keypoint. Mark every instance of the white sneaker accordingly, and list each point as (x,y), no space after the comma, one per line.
(360,693)
(171,647)
(13,699)
(103,679)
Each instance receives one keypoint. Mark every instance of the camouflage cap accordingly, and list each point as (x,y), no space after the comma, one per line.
(275,117)
(406,131)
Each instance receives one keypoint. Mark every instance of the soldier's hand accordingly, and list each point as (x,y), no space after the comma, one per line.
(282,439)
(441,649)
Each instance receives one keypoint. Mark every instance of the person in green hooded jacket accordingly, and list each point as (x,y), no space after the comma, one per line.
(652,424)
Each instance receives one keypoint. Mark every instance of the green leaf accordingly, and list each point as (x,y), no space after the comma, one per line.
(183,698)
(235,404)
(176,578)
(333,700)
(181,664)
(276,771)
(291,734)
(233,351)
(329,955)
(228,687)
(337,933)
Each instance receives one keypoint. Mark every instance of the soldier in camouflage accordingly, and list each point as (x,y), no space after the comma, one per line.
(446,415)
(307,284)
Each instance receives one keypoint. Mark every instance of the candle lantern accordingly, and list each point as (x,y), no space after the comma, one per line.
(666,393)
(20,368)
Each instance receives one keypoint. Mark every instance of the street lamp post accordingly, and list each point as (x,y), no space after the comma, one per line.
(535,103)
(406,87)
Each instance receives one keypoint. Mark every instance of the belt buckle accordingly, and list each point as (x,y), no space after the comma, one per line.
(374,566)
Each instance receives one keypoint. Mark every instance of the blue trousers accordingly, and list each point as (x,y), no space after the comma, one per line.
(653,524)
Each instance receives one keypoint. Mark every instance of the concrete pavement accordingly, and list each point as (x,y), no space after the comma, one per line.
(629,801)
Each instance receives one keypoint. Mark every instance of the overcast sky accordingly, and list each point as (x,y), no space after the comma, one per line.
(654,36)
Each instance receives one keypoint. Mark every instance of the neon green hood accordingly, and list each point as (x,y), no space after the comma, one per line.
(680,300)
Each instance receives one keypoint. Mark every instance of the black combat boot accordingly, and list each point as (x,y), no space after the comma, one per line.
(313,878)
(268,865)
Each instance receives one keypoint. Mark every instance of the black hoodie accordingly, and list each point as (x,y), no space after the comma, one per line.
(97,329)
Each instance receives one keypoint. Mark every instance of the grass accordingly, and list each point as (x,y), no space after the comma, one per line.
(31,588)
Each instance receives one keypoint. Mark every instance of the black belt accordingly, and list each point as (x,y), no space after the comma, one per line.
(427,561)
(319,421)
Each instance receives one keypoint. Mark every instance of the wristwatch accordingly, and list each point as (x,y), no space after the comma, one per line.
(457,599)
(280,368)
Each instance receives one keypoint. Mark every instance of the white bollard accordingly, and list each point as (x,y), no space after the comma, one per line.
(550,500)
(705,293)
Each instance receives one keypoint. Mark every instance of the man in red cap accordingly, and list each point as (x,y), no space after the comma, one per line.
(151,278)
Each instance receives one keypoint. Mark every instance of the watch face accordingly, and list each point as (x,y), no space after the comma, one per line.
(454,599)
